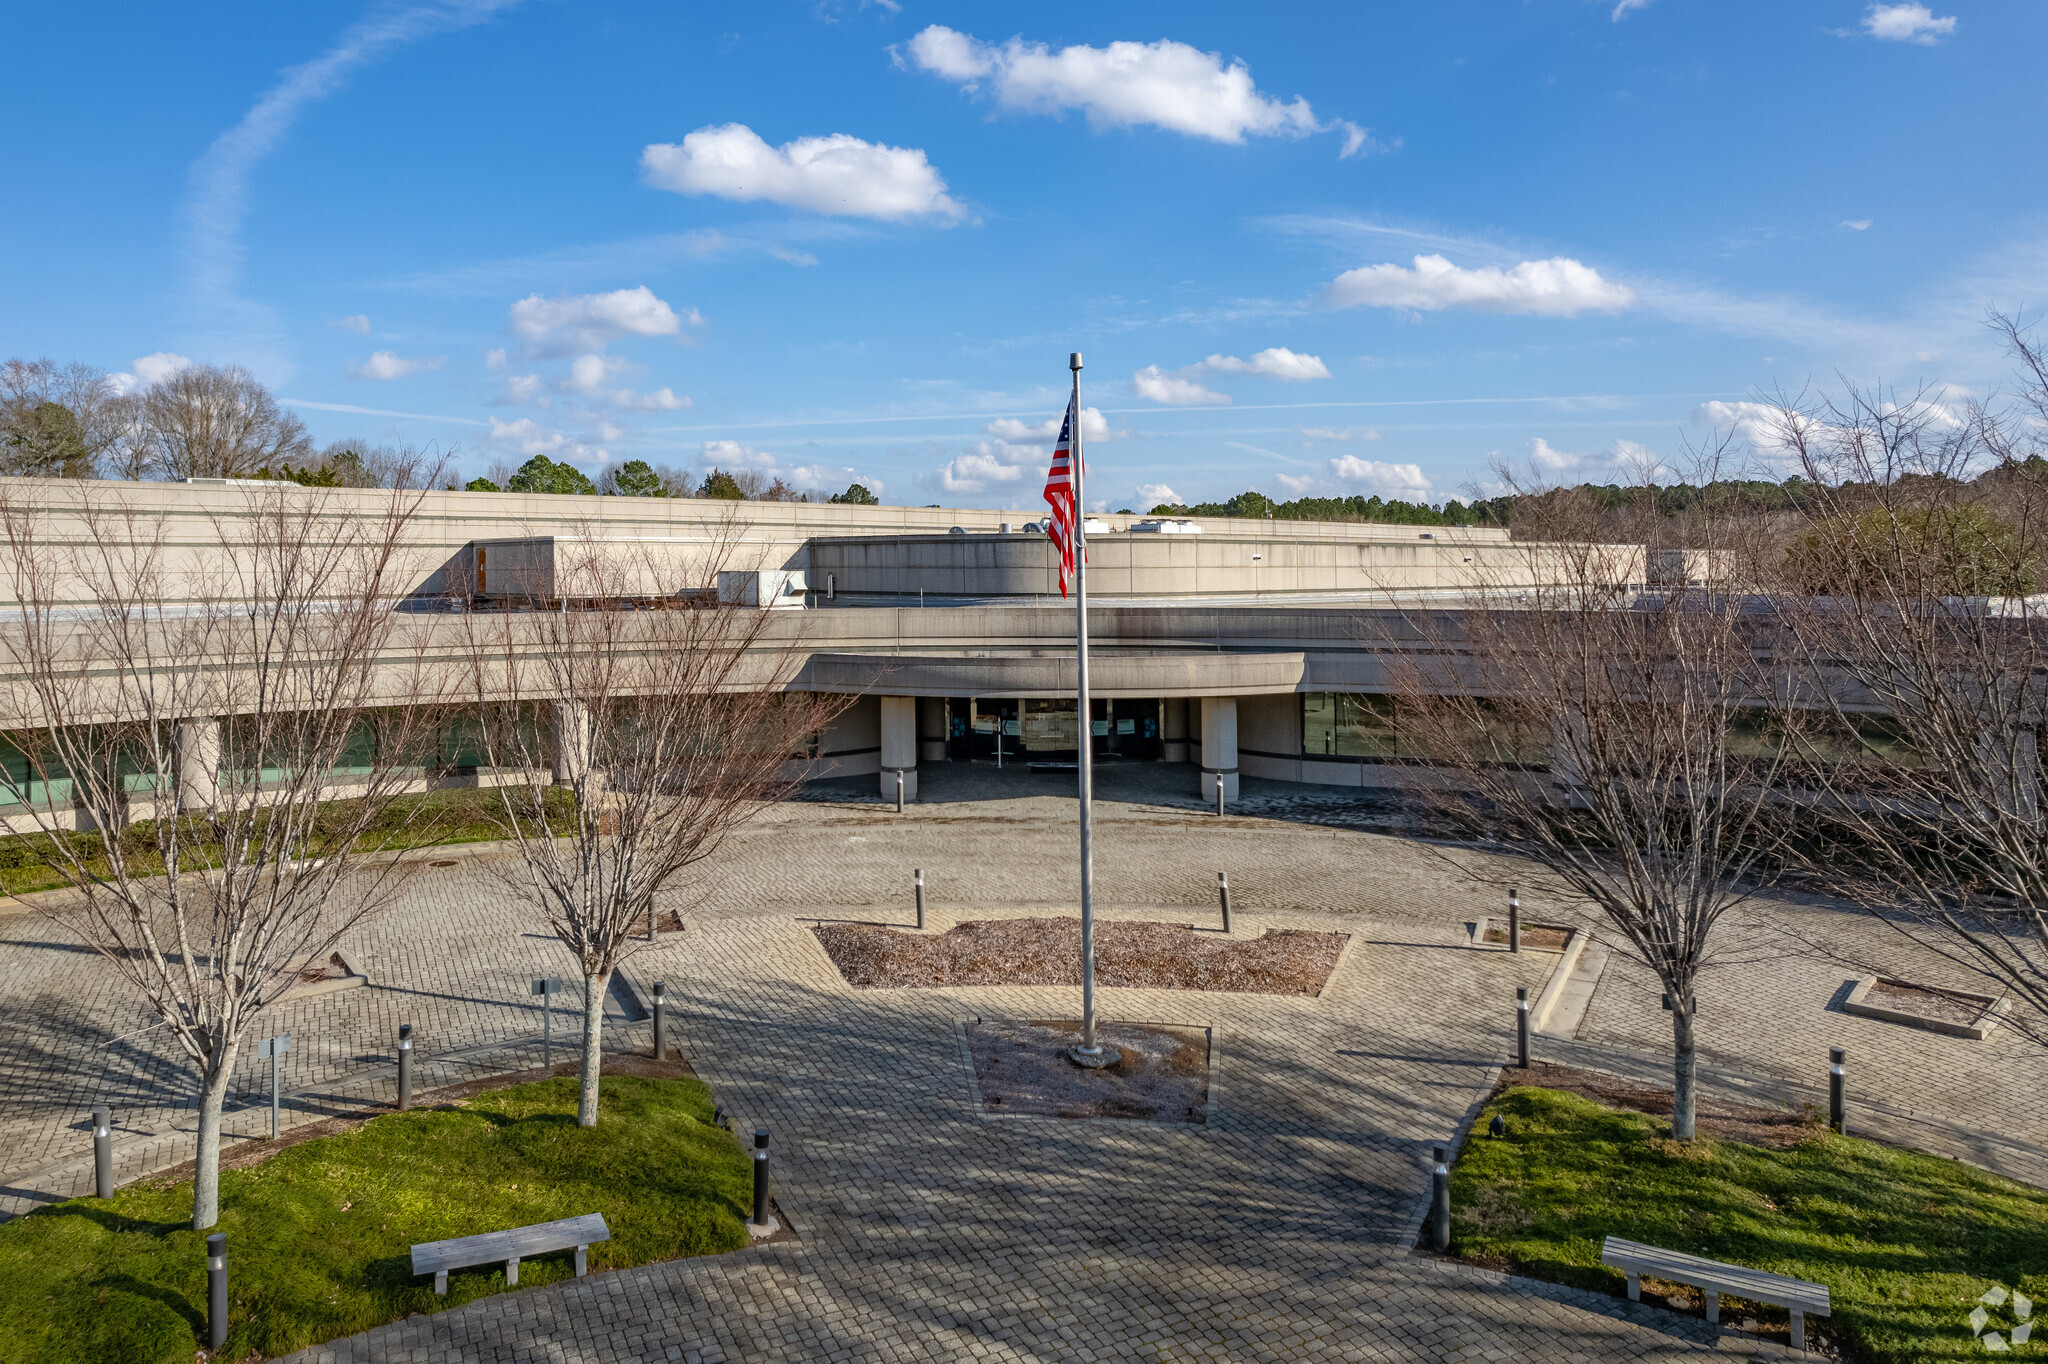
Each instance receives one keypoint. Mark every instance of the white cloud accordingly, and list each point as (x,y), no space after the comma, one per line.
(832,478)
(1276,362)
(731,454)
(839,175)
(1162,84)
(1094,426)
(589,374)
(988,462)
(783,253)
(1295,483)
(587,321)
(592,376)
(1399,480)
(355,322)
(663,399)
(1154,383)
(1558,287)
(494,358)
(1908,24)
(519,389)
(1357,141)
(1759,425)
(1156,493)
(530,438)
(1856,224)
(384,364)
(1327,433)
(147,371)
(1543,455)
(1623,8)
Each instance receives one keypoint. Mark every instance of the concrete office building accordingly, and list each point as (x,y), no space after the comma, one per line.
(1230,646)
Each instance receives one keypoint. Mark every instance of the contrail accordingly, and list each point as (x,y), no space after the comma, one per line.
(217,202)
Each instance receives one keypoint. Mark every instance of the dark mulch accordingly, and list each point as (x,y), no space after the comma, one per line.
(1924,1001)
(1774,1127)
(1161,1073)
(1548,937)
(1150,956)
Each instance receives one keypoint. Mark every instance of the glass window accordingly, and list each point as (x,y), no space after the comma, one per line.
(1347,725)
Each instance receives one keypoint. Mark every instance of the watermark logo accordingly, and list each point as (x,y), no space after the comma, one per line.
(1996,1336)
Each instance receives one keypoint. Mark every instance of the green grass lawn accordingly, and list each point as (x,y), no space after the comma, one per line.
(319,1235)
(1905,1242)
(429,819)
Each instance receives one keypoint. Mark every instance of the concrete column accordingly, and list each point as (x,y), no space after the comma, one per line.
(899,746)
(1219,748)
(1173,729)
(572,740)
(198,743)
(931,730)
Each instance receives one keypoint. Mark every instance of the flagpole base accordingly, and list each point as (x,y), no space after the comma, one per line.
(1098,1059)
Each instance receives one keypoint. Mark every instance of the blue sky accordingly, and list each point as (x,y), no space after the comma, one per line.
(1328,249)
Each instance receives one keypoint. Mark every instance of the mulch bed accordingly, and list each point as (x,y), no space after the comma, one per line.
(1541,936)
(1924,1001)
(1150,956)
(1161,1074)
(1778,1128)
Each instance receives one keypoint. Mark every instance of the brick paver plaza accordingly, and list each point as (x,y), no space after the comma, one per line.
(1279,1231)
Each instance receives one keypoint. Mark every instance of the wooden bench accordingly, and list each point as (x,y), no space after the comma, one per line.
(510,1247)
(1713,1278)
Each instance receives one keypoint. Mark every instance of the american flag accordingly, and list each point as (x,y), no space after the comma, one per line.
(1059,492)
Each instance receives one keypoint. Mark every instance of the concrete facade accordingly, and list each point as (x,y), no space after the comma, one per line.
(896,609)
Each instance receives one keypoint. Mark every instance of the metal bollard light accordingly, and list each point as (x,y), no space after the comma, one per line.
(760,1217)
(899,793)
(920,897)
(1223,894)
(404,1066)
(1219,795)
(102,1152)
(1514,919)
(217,1290)
(1522,1026)
(660,1051)
(1440,1201)
(1838,1084)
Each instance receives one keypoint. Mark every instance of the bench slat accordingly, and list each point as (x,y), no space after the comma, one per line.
(489,1247)
(1740,1281)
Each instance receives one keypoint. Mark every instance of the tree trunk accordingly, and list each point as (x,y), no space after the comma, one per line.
(594,988)
(1685,1074)
(206,1169)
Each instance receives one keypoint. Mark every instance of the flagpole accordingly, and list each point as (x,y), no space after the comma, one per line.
(1091,1052)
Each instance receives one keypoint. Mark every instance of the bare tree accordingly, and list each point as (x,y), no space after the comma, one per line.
(57,420)
(249,708)
(1910,616)
(1608,734)
(661,709)
(207,422)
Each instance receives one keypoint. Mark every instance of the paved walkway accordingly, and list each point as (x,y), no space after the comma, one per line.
(1280,1231)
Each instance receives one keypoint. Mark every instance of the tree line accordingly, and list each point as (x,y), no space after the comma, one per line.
(206,421)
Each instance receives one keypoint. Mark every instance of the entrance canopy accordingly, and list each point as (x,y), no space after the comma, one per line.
(1047,674)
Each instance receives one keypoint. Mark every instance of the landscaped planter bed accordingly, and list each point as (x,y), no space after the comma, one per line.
(1021,1070)
(1907,1243)
(319,1231)
(1956,1013)
(1493,932)
(1048,952)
